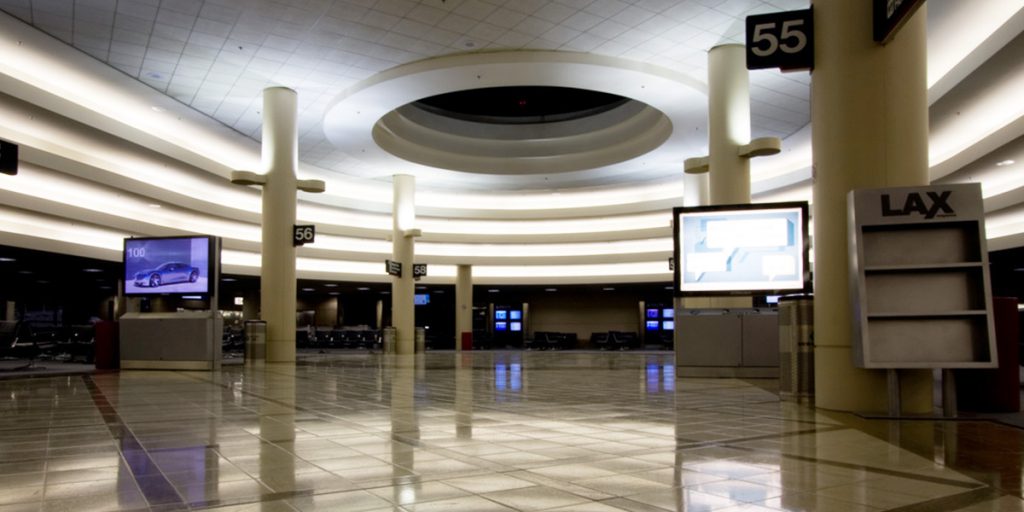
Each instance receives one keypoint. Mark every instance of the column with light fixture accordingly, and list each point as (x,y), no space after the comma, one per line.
(277,270)
(403,288)
(463,303)
(723,176)
(729,144)
(869,113)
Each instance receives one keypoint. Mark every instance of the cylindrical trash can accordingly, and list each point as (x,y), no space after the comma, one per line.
(389,339)
(255,341)
(796,348)
(421,340)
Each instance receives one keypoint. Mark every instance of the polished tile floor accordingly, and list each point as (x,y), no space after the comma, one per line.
(483,431)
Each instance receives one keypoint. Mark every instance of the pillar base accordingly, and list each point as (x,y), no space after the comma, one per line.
(840,386)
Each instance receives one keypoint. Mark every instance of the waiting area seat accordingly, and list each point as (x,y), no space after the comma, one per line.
(543,340)
(614,340)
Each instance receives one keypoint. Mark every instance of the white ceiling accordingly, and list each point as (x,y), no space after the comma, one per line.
(149,102)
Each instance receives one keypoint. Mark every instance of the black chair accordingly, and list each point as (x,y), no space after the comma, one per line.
(599,340)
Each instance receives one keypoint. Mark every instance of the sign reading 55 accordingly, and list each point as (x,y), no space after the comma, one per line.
(782,40)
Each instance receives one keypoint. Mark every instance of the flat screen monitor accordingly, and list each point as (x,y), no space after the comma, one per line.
(668,325)
(421,299)
(652,325)
(501,314)
(771,299)
(743,249)
(169,266)
(652,313)
(515,326)
(500,326)
(668,313)
(515,314)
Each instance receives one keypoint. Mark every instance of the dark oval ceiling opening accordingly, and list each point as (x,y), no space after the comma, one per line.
(520,104)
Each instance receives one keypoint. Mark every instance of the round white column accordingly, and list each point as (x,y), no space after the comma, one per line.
(869,114)
(695,189)
(728,124)
(277,273)
(403,289)
(463,303)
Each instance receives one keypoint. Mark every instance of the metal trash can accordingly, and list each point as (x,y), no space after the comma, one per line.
(421,340)
(255,332)
(389,338)
(796,348)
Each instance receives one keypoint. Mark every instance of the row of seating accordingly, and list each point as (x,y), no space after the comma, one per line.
(543,340)
(326,337)
(615,340)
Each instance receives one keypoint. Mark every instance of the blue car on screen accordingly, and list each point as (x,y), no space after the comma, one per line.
(168,273)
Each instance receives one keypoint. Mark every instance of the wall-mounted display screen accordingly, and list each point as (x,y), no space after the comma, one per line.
(652,313)
(741,249)
(500,326)
(652,325)
(421,299)
(501,314)
(668,313)
(668,325)
(771,299)
(175,265)
(515,314)
(515,326)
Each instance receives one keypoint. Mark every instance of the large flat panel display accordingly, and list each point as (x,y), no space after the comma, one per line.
(741,249)
(175,265)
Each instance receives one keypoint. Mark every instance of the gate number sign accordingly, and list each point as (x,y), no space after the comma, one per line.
(783,40)
(303,234)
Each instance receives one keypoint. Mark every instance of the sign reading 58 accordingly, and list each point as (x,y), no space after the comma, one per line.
(782,40)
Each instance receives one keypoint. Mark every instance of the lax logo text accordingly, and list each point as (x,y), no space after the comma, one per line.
(938,207)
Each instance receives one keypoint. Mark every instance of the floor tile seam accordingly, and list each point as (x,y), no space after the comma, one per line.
(728,443)
(295,407)
(953,502)
(875,470)
(118,428)
(247,500)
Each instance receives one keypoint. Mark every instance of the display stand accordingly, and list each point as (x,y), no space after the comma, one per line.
(181,340)
(920,282)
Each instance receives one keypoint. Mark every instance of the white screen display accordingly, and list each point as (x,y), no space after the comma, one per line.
(748,249)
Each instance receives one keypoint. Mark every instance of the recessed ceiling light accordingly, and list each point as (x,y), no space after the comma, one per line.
(385,292)
(25,272)
(309,289)
(668,287)
(92,270)
(6,259)
(609,288)
(1004,163)
(421,287)
(333,293)
(551,289)
(363,288)
(228,279)
(331,285)
(493,290)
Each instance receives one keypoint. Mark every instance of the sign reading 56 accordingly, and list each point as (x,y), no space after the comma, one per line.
(782,40)
(304,234)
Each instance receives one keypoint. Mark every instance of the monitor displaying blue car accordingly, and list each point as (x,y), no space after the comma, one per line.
(178,265)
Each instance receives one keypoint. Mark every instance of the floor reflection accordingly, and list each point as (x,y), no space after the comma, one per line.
(475,432)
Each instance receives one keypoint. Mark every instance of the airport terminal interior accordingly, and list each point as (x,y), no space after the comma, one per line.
(511,255)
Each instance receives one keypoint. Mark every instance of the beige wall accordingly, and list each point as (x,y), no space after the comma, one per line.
(583,314)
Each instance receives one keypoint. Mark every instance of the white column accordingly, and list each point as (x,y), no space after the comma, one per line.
(695,189)
(463,303)
(728,124)
(869,114)
(403,289)
(277,283)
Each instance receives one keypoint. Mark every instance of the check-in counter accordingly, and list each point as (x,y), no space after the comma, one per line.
(727,343)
